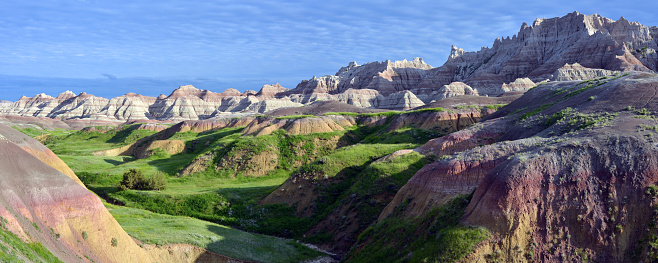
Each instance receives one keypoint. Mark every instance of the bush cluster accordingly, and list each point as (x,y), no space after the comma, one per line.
(134,179)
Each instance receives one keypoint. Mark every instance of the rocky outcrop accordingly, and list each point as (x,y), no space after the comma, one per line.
(129,107)
(386,77)
(365,98)
(187,103)
(576,71)
(402,100)
(520,84)
(37,150)
(270,91)
(212,124)
(199,164)
(538,50)
(298,126)
(83,106)
(4,104)
(454,89)
(271,104)
(442,121)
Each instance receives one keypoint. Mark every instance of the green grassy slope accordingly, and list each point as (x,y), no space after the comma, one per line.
(13,249)
(436,237)
(148,228)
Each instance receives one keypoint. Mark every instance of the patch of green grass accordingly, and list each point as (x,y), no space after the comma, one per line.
(436,237)
(35,132)
(467,107)
(575,121)
(536,110)
(388,176)
(147,227)
(380,179)
(495,106)
(437,109)
(407,135)
(301,149)
(351,156)
(370,114)
(13,249)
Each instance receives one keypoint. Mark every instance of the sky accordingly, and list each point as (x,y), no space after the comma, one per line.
(111,47)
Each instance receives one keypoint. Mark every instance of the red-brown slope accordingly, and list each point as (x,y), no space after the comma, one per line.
(567,179)
(587,194)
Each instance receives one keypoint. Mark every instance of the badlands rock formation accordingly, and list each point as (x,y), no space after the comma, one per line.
(4,103)
(576,71)
(572,47)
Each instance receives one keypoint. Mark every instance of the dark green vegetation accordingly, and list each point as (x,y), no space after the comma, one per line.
(13,249)
(436,237)
(134,179)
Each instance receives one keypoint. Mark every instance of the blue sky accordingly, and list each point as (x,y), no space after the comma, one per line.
(111,47)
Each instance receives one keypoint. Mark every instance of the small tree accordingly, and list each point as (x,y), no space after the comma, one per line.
(133,179)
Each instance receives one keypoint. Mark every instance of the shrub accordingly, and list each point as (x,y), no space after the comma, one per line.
(85,236)
(156,181)
(115,242)
(652,191)
(134,179)
(131,179)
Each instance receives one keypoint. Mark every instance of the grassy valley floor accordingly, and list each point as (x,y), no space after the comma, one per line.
(153,228)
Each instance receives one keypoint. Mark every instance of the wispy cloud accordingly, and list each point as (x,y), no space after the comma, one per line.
(254,39)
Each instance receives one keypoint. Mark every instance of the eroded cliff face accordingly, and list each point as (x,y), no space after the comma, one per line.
(538,50)
(386,77)
(581,199)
